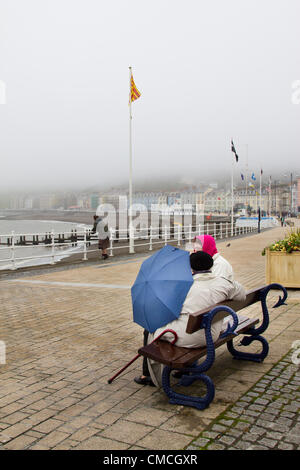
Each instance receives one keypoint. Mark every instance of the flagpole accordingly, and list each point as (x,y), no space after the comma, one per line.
(232,196)
(131,241)
(260,189)
(247,178)
(270,195)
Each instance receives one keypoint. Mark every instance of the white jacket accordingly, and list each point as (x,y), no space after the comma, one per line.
(206,290)
(222,268)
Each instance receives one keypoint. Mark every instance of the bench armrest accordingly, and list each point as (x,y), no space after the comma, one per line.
(206,323)
(263,298)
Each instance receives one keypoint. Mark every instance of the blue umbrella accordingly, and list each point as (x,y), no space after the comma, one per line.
(161,287)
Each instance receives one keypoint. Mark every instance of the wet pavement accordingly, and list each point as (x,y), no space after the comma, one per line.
(67,331)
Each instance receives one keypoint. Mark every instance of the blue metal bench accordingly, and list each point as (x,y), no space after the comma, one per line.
(185,360)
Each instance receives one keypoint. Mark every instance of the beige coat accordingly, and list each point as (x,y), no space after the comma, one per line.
(206,290)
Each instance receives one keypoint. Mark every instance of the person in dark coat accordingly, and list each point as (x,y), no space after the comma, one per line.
(101,227)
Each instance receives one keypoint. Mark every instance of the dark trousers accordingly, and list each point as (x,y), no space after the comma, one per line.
(146,372)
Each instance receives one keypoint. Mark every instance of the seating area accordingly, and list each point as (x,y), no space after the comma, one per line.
(186,359)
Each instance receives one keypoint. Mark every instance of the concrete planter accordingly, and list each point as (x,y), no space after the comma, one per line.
(283,268)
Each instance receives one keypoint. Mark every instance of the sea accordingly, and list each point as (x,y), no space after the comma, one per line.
(34,227)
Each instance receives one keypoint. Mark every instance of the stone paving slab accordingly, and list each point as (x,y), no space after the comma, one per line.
(65,340)
(266,417)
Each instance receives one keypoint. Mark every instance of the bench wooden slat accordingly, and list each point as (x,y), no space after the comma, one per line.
(177,357)
(195,319)
(193,354)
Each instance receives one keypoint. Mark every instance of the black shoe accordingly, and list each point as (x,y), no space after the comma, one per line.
(104,256)
(144,381)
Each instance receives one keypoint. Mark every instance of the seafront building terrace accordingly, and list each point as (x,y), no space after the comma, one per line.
(68,329)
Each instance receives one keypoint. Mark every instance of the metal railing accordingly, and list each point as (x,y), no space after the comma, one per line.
(82,242)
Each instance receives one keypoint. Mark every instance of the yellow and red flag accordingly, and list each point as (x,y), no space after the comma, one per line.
(134,92)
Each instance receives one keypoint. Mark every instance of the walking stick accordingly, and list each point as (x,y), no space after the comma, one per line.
(138,355)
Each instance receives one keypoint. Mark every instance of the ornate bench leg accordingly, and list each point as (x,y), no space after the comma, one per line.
(255,333)
(256,357)
(181,399)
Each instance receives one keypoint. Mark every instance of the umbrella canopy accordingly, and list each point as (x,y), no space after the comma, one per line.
(161,287)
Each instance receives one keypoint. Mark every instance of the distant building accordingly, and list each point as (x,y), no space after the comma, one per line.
(294,198)
(47,201)
(16,202)
(173,199)
(191,198)
(83,201)
(145,199)
(28,203)
(217,201)
(94,201)
(251,198)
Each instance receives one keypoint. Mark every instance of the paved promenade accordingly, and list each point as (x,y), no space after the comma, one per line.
(68,331)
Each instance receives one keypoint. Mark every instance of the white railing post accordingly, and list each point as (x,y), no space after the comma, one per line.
(111,241)
(199,230)
(150,238)
(166,236)
(13,250)
(221,230)
(84,245)
(190,233)
(178,234)
(215,230)
(52,247)
(207,228)
(131,239)
(226,230)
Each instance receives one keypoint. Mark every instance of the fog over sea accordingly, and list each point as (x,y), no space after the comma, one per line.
(34,227)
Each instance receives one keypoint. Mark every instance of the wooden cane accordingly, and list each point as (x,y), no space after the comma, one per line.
(138,355)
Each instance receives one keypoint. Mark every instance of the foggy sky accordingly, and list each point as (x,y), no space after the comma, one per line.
(207,72)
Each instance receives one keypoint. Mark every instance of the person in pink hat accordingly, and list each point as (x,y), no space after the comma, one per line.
(221,266)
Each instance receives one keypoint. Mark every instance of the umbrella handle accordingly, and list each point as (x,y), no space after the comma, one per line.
(167,331)
(136,357)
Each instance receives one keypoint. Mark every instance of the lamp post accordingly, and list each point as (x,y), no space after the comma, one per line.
(275,194)
(291,190)
(291,194)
